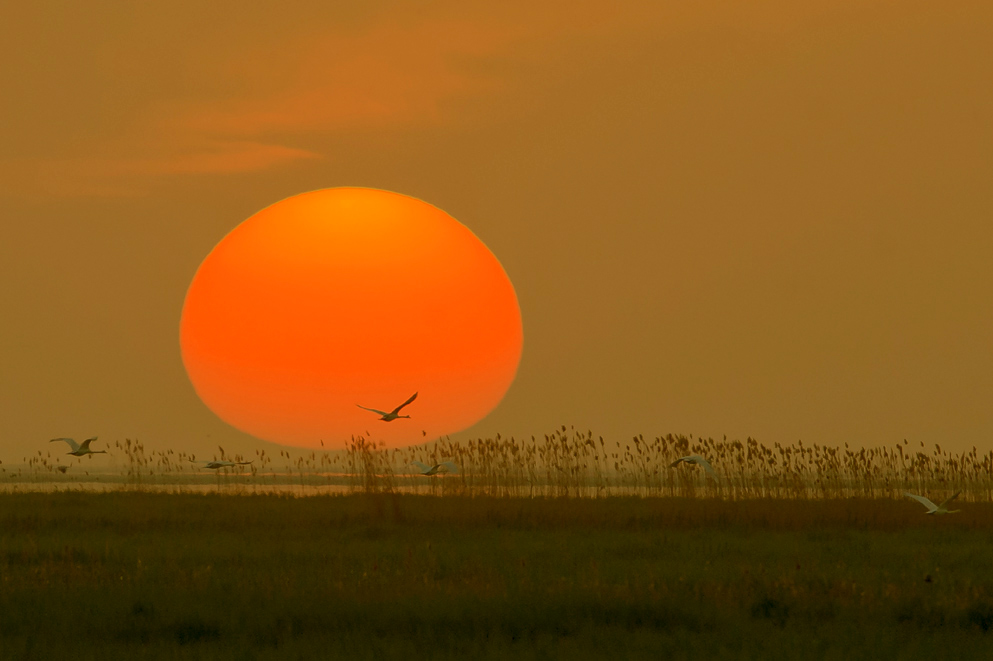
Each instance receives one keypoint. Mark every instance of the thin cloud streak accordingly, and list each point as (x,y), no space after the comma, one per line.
(127,175)
(389,76)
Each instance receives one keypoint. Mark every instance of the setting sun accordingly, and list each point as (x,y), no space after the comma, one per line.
(350,296)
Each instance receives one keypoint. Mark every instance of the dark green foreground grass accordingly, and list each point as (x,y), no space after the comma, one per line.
(138,575)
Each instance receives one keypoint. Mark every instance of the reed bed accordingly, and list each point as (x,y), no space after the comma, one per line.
(565,463)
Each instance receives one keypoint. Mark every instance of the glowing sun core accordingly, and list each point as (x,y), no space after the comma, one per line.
(349,296)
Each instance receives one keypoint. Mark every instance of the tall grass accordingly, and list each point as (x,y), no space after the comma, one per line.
(564,463)
(571,463)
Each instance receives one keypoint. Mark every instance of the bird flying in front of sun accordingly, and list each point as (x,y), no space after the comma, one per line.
(348,295)
(392,415)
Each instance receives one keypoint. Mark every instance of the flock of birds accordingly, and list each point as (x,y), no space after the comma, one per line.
(82,449)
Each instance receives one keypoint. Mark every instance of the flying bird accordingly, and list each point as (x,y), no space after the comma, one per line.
(392,415)
(931,507)
(437,469)
(80,449)
(698,460)
(221,464)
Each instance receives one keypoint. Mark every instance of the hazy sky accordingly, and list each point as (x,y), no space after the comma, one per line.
(769,219)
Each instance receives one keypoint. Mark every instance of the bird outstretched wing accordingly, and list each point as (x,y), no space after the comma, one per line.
(949,499)
(706,466)
(924,501)
(212,463)
(446,467)
(700,461)
(86,444)
(423,468)
(72,443)
(373,410)
(412,398)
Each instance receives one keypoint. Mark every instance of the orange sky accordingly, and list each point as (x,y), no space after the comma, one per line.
(767,218)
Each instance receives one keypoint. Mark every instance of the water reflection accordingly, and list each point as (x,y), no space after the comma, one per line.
(308,485)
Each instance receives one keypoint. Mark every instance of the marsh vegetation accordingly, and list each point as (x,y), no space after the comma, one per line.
(562,547)
(384,575)
(565,463)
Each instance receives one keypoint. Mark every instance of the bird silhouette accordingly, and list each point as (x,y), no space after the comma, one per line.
(437,469)
(220,464)
(392,415)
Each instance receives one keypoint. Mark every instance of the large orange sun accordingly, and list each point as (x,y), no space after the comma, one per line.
(349,296)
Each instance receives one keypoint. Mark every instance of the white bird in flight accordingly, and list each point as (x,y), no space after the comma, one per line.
(437,469)
(931,507)
(700,461)
(80,449)
(392,415)
(221,464)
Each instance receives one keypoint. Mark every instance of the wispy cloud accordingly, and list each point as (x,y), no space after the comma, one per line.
(122,174)
(223,157)
(251,100)
(387,75)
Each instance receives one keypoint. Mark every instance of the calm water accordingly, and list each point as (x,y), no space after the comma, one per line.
(293,485)
(321,484)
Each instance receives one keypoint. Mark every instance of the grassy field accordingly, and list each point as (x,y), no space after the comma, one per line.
(143,575)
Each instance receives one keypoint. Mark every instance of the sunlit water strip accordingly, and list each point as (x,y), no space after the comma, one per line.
(324,484)
(340,484)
